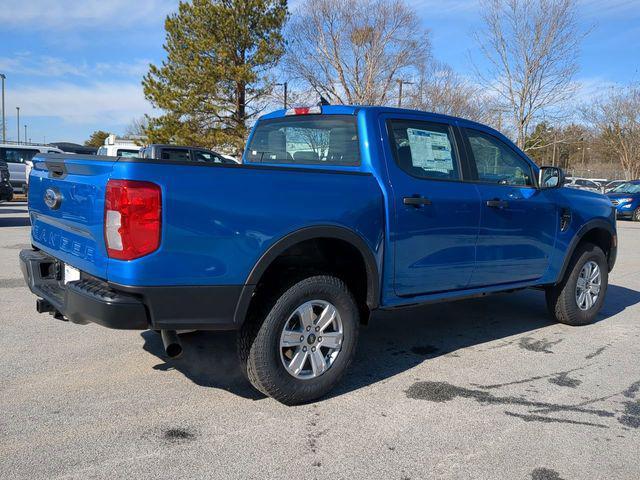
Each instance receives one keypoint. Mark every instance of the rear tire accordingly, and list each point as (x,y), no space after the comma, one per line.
(578,304)
(297,349)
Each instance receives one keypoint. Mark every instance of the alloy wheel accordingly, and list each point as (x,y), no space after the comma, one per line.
(588,285)
(311,339)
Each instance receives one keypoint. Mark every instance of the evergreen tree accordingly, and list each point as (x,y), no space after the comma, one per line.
(219,53)
(96,139)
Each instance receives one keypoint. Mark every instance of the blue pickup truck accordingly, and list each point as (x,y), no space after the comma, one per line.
(335,212)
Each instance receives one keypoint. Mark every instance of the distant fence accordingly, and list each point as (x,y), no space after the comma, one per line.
(598,170)
(13,142)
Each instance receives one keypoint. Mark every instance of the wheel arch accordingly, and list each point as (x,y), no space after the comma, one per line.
(597,231)
(331,232)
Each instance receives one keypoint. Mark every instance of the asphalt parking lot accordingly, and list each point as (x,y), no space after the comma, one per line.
(478,389)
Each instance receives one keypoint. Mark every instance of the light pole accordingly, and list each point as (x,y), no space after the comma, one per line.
(4,127)
(25,133)
(401,82)
(285,85)
(18,110)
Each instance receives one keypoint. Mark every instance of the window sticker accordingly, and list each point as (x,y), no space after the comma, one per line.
(430,150)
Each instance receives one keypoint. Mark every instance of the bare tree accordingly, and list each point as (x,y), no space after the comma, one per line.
(441,90)
(616,118)
(531,48)
(137,128)
(354,51)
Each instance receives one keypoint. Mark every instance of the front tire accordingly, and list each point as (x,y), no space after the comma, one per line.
(636,215)
(304,344)
(577,299)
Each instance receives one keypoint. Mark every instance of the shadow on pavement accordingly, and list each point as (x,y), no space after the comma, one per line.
(4,210)
(393,342)
(14,221)
(208,359)
(618,299)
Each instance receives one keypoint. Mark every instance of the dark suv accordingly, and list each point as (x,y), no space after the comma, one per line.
(183,154)
(6,191)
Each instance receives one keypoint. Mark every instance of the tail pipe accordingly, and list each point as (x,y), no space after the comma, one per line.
(171,342)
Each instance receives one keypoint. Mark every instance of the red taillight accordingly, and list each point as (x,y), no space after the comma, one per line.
(132,218)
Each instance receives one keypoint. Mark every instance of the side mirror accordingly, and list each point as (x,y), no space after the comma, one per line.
(550,177)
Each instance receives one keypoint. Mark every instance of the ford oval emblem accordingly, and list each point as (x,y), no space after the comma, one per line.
(52,198)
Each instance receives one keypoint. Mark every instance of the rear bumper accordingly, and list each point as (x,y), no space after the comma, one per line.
(91,300)
(84,301)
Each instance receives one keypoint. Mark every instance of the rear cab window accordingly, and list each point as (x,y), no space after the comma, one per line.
(175,154)
(330,140)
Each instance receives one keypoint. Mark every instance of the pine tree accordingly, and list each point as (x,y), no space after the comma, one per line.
(96,139)
(219,54)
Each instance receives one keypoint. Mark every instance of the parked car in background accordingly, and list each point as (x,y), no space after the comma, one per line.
(6,191)
(179,153)
(626,198)
(69,147)
(599,181)
(336,211)
(231,157)
(612,184)
(583,184)
(118,147)
(18,159)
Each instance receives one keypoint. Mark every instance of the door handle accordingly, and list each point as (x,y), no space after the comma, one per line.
(495,203)
(416,201)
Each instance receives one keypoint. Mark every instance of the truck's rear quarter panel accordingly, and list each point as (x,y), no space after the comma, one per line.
(219,220)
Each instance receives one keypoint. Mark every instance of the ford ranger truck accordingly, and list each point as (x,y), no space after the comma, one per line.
(336,211)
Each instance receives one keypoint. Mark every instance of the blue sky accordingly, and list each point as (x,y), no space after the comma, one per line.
(75,66)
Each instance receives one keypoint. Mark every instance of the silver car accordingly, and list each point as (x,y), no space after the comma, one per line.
(18,157)
(583,184)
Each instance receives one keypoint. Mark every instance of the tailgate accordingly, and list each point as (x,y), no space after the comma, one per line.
(66,206)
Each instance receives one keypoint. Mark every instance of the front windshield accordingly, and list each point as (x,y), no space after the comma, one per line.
(627,188)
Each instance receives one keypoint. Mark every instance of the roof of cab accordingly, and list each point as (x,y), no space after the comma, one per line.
(354,109)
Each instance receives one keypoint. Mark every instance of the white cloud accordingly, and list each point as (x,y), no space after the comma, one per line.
(45,66)
(607,8)
(90,14)
(108,102)
(591,88)
(48,66)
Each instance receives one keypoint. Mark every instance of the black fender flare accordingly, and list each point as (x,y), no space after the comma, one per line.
(301,235)
(596,223)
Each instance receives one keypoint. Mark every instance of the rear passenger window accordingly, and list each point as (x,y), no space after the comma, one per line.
(496,162)
(424,150)
(175,154)
(19,155)
(208,157)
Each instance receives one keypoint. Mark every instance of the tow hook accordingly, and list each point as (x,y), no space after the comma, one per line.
(42,306)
